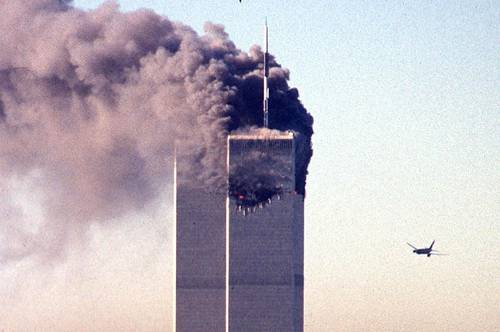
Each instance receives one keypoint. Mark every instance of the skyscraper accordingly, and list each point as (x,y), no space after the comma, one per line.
(240,250)
(200,256)
(265,235)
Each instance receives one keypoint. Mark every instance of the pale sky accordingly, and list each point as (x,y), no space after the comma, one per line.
(406,101)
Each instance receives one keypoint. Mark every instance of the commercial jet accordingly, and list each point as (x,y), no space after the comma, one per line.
(425,251)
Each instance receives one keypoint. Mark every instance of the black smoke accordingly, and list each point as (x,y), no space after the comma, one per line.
(92,104)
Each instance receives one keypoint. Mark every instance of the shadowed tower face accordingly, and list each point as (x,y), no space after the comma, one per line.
(200,251)
(265,242)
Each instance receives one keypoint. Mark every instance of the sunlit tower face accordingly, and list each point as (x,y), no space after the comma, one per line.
(265,235)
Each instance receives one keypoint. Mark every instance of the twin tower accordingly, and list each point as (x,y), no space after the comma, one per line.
(240,253)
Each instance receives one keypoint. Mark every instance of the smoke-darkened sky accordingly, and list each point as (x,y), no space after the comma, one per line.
(94,102)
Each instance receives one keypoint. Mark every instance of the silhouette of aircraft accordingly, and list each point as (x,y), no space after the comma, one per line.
(425,251)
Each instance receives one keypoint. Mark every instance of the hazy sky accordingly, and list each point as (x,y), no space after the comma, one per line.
(406,101)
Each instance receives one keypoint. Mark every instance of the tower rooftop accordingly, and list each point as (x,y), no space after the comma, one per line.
(263,135)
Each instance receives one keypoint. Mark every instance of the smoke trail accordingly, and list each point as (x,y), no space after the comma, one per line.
(94,102)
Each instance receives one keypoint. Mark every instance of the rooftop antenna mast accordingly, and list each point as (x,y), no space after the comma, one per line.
(266,76)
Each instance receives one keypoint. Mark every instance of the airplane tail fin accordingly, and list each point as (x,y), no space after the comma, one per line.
(432,244)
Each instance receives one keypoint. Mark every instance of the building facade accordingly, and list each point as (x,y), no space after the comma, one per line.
(265,242)
(240,252)
(200,257)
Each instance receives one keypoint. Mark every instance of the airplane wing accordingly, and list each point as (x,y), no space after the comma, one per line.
(411,245)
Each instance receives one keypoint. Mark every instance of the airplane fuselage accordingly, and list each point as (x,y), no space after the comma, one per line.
(424,251)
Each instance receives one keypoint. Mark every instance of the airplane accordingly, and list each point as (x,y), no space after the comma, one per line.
(425,251)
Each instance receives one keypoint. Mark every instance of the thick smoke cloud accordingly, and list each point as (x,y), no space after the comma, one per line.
(92,105)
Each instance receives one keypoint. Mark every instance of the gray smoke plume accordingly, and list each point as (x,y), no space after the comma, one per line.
(93,103)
